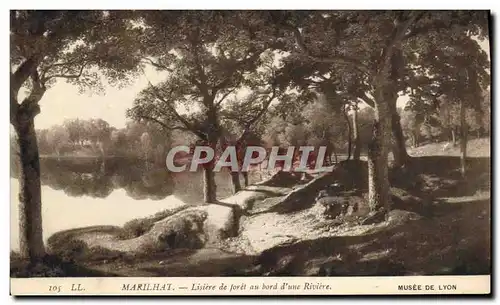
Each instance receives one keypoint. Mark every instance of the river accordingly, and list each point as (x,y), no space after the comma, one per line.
(86,192)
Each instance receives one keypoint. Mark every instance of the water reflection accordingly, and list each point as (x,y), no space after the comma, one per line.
(80,192)
(98,178)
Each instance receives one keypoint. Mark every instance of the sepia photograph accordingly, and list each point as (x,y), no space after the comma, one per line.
(250,152)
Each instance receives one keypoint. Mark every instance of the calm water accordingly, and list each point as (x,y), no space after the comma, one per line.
(84,192)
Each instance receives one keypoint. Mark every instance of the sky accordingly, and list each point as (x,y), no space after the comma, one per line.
(63,101)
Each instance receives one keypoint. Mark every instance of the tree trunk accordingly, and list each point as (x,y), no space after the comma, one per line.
(58,154)
(245,178)
(401,156)
(414,140)
(378,173)
(356,138)
(30,202)
(463,139)
(209,187)
(334,155)
(349,134)
(235,182)
(102,167)
(453,136)
(213,137)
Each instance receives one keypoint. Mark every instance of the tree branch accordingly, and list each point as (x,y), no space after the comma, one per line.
(179,117)
(23,72)
(61,64)
(334,59)
(265,106)
(26,69)
(221,85)
(29,107)
(435,26)
(68,76)
(397,37)
(225,96)
(222,51)
(165,126)
(156,64)
(236,67)
(202,84)
(14,106)
(365,98)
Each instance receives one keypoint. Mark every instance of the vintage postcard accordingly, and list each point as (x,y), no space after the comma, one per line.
(321,152)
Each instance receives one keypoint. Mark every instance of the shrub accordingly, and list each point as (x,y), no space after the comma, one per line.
(100,253)
(136,227)
(70,250)
(14,256)
(155,246)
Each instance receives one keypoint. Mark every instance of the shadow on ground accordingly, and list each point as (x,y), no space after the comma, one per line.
(452,244)
(53,266)
(440,176)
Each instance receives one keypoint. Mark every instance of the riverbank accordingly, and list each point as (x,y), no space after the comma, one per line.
(439,224)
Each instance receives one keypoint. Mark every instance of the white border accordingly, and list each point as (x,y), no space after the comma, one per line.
(254,286)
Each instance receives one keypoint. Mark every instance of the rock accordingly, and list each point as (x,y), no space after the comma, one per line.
(322,271)
(266,204)
(353,208)
(321,194)
(284,266)
(374,217)
(305,178)
(252,194)
(193,228)
(222,221)
(245,198)
(333,207)
(402,216)
(181,230)
(277,262)
(281,178)
(349,203)
(335,187)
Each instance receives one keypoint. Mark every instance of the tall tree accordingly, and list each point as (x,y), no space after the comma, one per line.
(411,126)
(47,46)
(325,125)
(345,113)
(379,47)
(344,44)
(486,111)
(242,117)
(57,138)
(356,132)
(99,132)
(75,129)
(448,115)
(214,55)
(455,78)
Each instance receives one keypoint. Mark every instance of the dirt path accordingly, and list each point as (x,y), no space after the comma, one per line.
(454,241)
